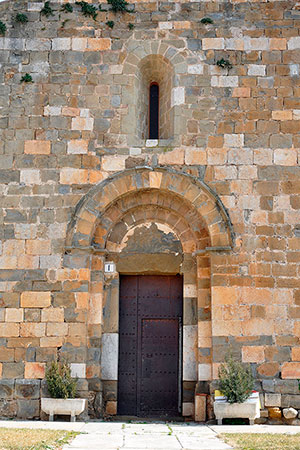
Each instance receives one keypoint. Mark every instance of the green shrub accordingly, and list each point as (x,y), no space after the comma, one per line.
(110,23)
(224,63)
(27,78)
(2,28)
(67,8)
(21,18)
(235,380)
(59,381)
(87,9)
(118,5)
(206,20)
(47,10)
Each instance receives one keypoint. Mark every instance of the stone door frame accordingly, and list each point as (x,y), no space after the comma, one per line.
(207,229)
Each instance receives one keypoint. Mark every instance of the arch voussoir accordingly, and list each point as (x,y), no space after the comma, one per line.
(175,192)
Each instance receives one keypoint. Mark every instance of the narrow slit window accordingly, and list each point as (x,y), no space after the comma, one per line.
(154,111)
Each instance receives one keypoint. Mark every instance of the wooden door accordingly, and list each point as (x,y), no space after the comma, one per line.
(149,378)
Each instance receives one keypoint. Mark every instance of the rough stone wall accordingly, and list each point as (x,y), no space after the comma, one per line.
(237,130)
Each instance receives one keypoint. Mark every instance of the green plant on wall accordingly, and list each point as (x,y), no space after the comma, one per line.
(235,380)
(131,26)
(21,18)
(87,9)
(27,78)
(206,20)
(47,10)
(2,28)
(67,8)
(224,63)
(110,23)
(118,5)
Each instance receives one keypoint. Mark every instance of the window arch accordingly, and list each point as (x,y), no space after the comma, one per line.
(155,73)
(153,111)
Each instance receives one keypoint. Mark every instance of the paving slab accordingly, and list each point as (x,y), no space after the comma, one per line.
(274,429)
(146,436)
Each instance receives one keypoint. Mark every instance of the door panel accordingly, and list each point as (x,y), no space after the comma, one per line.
(159,375)
(150,321)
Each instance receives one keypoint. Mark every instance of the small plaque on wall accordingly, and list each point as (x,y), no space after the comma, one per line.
(109,267)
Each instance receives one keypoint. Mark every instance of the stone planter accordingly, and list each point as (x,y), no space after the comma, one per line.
(246,410)
(67,406)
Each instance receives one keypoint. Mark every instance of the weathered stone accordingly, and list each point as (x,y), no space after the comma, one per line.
(27,389)
(274,413)
(7,388)
(272,399)
(28,409)
(289,413)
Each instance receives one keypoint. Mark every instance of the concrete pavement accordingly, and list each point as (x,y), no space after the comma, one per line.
(149,436)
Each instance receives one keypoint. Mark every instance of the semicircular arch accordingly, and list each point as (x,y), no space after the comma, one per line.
(181,190)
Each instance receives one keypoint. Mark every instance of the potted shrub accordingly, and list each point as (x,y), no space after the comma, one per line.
(62,388)
(238,398)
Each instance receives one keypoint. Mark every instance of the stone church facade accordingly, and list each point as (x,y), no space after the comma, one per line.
(92,209)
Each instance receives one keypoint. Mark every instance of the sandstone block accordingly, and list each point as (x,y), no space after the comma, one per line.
(278,44)
(111,408)
(181,25)
(50,261)
(272,399)
(222,81)
(290,370)
(113,163)
(54,341)
(82,123)
(285,157)
(213,43)
(14,315)
(57,329)
(256,70)
(6,355)
(32,329)
(35,370)
(77,329)
(196,69)
(73,176)
(195,157)
(35,299)
(77,147)
(296,354)
(61,44)
(30,176)
(241,92)
(294,43)
(282,115)
(79,44)
(178,96)
(253,354)
(98,44)
(52,110)
(9,329)
(37,147)
(53,315)
(38,247)
(233,140)
(173,157)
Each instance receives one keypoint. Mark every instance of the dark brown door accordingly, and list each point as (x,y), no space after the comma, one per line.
(149,347)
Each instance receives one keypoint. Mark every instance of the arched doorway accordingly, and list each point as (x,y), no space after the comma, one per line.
(157,223)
